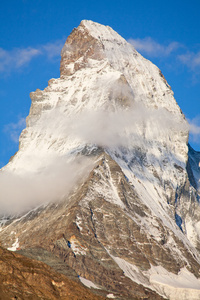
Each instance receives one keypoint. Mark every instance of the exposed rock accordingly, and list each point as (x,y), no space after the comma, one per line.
(96,225)
(79,47)
(23,278)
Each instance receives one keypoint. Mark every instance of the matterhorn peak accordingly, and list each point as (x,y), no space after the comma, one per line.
(108,96)
(89,41)
(101,32)
(103,173)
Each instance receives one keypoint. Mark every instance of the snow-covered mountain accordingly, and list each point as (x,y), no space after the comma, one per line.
(102,177)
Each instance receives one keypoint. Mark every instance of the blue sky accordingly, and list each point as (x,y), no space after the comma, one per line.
(33,33)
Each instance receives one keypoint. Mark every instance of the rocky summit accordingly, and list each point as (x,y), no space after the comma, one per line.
(104,188)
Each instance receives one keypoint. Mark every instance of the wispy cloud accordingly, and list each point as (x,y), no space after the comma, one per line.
(190,59)
(17,58)
(53,49)
(194,126)
(24,56)
(14,129)
(152,48)
(55,175)
(174,54)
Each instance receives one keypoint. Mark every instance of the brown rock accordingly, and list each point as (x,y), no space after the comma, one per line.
(79,44)
(23,278)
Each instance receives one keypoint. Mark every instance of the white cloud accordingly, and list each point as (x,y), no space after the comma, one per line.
(194,126)
(175,53)
(152,48)
(190,59)
(56,174)
(24,56)
(14,129)
(17,58)
(106,128)
(53,49)
(22,192)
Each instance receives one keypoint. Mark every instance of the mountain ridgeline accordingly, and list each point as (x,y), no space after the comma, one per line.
(104,180)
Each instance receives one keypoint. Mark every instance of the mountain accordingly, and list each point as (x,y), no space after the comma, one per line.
(23,278)
(104,179)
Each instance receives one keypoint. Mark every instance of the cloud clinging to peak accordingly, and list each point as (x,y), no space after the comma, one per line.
(21,192)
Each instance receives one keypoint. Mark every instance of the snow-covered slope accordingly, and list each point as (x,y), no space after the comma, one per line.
(109,101)
(109,96)
(116,80)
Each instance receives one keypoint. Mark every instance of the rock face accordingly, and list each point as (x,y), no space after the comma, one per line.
(23,278)
(110,129)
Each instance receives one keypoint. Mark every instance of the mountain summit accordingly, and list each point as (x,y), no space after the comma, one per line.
(103,179)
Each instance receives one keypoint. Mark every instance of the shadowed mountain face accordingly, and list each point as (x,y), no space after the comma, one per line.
(101,188)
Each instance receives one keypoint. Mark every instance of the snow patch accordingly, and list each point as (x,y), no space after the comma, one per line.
(15,245)
(111,296)
(182,286)
(76,247)
(88,283)
(131,271)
